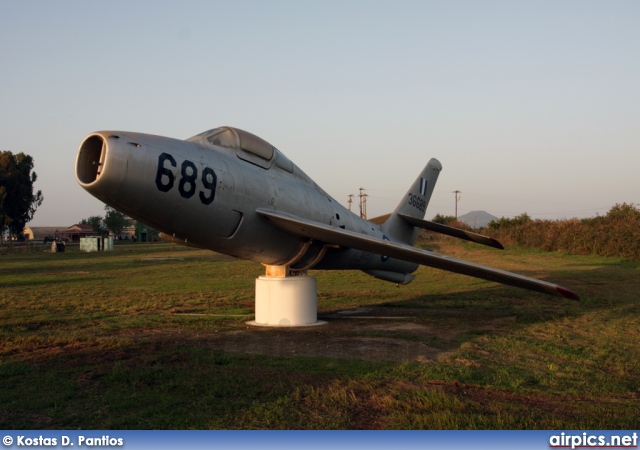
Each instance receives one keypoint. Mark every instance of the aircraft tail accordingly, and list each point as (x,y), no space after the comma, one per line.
(413,204)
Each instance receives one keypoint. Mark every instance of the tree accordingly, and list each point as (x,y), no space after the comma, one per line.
(444,220)
(96,222)
(114,220)
(18,203)
(503,222)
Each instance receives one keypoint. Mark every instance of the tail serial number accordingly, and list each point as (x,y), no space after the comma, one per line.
(417,202)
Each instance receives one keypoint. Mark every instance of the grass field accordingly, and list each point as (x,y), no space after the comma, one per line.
(153,336)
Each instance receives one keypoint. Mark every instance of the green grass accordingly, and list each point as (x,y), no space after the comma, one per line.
(153,336)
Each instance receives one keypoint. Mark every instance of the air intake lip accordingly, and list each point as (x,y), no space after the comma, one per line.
(90,161)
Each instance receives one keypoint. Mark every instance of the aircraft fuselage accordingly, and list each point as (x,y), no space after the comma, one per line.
(207,195)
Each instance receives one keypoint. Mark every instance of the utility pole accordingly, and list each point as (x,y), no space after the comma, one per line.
(456,192)
(363,203)
(364,206)
(350,201)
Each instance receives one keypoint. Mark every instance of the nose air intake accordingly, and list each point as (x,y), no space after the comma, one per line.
(91,156)
(101,165)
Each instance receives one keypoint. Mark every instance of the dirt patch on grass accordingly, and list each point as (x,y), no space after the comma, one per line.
(376,334)
(370,334)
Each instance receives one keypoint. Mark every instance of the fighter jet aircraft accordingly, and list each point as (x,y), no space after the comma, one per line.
(232,192)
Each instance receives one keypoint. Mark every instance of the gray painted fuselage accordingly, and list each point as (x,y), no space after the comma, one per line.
(131,169)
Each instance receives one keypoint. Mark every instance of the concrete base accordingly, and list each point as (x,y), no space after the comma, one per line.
(286,301)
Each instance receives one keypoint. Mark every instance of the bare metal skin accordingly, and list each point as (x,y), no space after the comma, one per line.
(229,191)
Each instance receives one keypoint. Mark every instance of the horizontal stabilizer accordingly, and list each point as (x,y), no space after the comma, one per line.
(455,232)
(331,235)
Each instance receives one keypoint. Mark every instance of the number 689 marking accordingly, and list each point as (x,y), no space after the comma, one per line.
(189,175)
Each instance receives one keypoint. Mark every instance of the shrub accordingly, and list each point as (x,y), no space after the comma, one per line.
(615,234)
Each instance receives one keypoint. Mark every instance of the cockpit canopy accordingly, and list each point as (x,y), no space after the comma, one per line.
(247,146)
(236,138)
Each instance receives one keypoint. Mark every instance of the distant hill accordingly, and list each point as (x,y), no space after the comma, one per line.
(477,219)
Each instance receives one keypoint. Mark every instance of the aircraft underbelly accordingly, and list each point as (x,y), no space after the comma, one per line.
(351,259)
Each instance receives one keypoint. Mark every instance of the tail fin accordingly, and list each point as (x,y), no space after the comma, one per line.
(413,204)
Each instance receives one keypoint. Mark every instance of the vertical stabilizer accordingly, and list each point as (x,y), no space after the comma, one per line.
(414,204)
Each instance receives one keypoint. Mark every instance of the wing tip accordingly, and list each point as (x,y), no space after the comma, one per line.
(567,293)
(496,244)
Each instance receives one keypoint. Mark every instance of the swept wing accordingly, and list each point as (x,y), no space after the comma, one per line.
(349,239)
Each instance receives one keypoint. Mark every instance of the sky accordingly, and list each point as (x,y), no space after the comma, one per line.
(530,106)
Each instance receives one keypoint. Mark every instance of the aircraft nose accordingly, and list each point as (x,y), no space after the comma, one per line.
(100,165)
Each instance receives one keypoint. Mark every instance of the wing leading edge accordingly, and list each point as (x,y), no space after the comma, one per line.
(328,234)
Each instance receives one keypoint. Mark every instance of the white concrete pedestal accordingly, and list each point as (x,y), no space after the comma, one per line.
(290,301)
